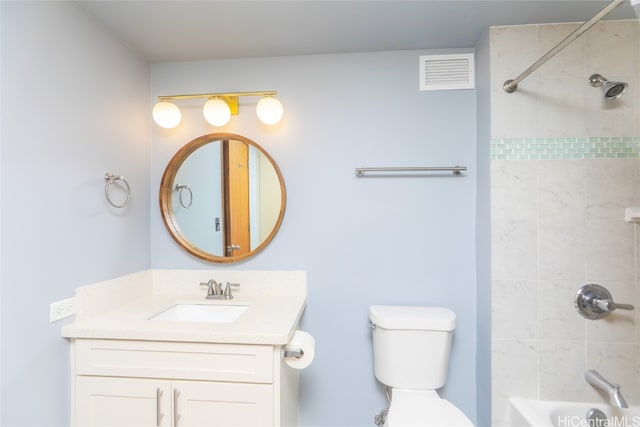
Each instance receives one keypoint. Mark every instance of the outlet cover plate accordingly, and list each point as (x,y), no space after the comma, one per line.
(61,309)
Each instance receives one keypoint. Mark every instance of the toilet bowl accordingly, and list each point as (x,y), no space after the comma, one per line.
(421,408)
(411,348)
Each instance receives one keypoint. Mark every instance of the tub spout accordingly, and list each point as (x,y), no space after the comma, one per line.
(613,390)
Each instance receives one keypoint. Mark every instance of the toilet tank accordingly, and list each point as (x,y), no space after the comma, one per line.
(411,345)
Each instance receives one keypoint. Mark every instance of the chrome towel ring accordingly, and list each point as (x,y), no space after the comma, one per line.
(181,189)
(110,179)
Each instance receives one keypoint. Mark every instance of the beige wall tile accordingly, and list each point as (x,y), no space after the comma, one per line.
(513,48)
(610,250)
(515,309)
(562,367)
(513,115)
(561,249)
(560,110)
(611,187)
(557,318)
(514,253)
(514,190)
(561,189)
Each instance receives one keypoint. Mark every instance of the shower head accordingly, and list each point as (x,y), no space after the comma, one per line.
(611,90)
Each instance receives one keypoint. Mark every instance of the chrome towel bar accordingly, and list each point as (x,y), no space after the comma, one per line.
(457,170)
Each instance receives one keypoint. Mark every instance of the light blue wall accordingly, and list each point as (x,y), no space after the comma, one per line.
(74,106)
(1,44)
(362,241)
(483,231)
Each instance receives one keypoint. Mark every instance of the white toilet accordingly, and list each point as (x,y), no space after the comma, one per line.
(411,348)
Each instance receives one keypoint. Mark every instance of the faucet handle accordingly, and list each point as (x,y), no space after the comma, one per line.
(209,287)
(227,289)
(608,305)
(214,287)
(595,302)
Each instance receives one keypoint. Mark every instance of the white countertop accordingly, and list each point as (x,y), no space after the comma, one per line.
(271,317)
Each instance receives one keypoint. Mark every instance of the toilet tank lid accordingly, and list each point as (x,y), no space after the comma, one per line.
(414,318)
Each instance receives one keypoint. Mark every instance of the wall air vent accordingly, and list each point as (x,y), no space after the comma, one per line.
(447,72)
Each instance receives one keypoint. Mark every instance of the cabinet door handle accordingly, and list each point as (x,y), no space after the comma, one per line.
(176,415)
(159,414)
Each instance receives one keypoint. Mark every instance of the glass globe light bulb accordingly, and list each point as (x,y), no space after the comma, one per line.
(166,114)
(216,112)
(269,110)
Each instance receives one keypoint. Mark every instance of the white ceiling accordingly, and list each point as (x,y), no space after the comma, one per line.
(184,30)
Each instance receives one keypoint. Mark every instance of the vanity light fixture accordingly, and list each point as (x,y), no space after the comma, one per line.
(269,110)
(216,111)
(219,108)
(166,114)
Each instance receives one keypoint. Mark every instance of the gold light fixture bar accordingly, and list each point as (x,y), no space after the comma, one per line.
(268,109)
(231,98)
(221,95)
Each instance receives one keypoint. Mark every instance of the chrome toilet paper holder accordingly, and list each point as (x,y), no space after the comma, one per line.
(292,352)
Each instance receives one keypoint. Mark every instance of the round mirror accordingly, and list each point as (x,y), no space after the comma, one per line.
(222,197)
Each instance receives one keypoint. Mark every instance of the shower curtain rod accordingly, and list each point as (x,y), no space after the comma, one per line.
(510,86)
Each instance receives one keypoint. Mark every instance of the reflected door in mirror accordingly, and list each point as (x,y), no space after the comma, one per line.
(235,156)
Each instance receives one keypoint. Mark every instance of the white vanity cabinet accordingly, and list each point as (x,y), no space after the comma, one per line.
(177,384)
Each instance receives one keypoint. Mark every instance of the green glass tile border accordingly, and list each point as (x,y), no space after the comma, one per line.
(565,148)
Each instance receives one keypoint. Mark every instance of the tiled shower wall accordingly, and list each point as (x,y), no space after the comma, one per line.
(564,166)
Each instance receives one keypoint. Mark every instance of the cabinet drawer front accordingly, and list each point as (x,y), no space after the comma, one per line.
(173,360)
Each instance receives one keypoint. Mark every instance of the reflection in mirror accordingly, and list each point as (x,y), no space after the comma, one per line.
(222,197)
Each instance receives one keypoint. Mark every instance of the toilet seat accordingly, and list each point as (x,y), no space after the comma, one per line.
(423,408)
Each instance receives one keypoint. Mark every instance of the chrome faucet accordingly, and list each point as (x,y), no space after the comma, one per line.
(214,289)
(613,390)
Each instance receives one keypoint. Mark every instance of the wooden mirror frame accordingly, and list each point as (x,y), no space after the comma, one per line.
(166,197)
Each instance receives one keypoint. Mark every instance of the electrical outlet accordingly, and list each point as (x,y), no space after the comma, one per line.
(61,309)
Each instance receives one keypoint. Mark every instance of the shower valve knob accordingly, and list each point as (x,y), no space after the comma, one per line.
(595,302)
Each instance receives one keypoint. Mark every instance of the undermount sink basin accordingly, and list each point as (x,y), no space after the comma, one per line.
(201,313)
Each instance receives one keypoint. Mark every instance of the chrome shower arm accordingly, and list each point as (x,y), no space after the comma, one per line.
(510,86)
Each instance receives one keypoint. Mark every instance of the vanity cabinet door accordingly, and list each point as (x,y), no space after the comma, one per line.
(211,404)
(139,402)
(167,384)
(122,402)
